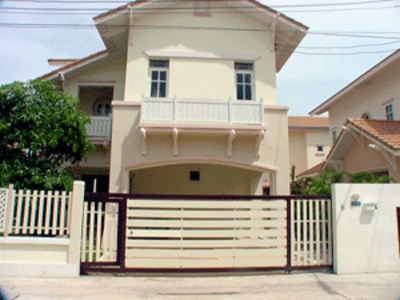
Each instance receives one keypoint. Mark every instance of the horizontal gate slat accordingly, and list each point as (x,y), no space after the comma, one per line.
(188,233)
(201,263)
(207,214)
(205,204)
(245,243)
(205,253)
(206,223)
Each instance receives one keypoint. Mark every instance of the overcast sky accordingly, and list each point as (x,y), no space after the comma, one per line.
(345,39)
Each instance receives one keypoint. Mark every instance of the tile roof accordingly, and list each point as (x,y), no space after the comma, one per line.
(387,132)
(315,169)
(299,122)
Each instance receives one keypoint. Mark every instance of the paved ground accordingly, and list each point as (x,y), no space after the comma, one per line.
(294,286)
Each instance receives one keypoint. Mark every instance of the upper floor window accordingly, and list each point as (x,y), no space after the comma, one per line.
(334,136)
(103,108)
(158,78)
(244,81)
(389,112)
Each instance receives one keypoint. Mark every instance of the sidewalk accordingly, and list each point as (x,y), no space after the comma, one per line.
(295,286)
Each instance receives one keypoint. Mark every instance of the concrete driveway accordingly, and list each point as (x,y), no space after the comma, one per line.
(294,286)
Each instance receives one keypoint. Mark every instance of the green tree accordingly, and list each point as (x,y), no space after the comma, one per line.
(41,132)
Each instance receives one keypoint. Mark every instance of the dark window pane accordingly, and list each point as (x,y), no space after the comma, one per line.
(159,63)
(163,75)
(248,92)
(162,89)
(239,78)
(248,78)
(239,92)
(154,75)
(244,66)
(154,89)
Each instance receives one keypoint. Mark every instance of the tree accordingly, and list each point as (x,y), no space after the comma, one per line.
(321,184)
(41,132)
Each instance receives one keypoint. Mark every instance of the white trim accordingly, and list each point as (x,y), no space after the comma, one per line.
(201,55)
(122,103)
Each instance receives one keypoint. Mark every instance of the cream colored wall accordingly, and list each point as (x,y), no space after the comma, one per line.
(196,77)
(303,148)
(297,150)
(365,241)
(175,180)
(314,138)
(127,146)
(107,74)
(99,159)
(369,97)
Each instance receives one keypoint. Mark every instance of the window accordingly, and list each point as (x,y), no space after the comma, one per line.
(194,176)
(389,112)
(158,78)
(366,116)
(102,108)
(244,81)
(334,136)
(320,149)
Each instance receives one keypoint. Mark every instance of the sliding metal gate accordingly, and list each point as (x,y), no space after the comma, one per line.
(124,233)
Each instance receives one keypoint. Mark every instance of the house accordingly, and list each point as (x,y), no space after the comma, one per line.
(373,95)
(183,98)
(364,123)
(309,141)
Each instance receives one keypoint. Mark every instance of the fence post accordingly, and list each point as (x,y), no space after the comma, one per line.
(9,211)
(288,235)
(75,222)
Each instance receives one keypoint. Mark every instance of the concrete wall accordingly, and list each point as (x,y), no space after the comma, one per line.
(199,76)
(23,256)
(126,148)
(371,97)
(366,241)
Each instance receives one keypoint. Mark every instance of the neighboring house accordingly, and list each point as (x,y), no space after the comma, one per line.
(309,141)
(373,95)
(192,90)
(361,121)
(368,145)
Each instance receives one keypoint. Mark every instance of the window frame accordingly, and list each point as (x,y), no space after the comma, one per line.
(158,66)
(389,112)
(244,68)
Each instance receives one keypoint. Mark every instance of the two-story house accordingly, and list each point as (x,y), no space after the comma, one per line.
(188,89)
(364,121)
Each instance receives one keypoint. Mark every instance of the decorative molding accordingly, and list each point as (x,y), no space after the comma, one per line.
(259,138)
(201,55)
(175,149)
(144,141)
(229,146)
(273,33)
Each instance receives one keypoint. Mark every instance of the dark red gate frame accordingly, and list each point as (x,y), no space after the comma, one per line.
(118,266)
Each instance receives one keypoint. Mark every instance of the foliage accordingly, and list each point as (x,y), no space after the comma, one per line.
(41,131)
(321,184)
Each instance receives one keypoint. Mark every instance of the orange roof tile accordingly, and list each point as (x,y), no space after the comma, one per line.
(308,122)
(387,132)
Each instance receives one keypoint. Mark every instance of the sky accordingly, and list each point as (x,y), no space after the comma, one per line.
(345,39)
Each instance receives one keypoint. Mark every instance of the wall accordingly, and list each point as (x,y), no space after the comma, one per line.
(126,151)
(369,97)
(214,180)
(366,241)
(24,256)
(200,77)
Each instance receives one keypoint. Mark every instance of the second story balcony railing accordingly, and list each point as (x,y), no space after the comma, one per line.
(178,110)
(99,127)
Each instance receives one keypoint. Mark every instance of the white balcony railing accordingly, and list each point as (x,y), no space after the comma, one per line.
(202,111)
(99,127)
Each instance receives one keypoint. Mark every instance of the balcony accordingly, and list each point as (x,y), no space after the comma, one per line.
(175,110)
(99,127)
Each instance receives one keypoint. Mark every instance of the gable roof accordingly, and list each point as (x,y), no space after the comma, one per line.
(313,171)
(306,122)
(287,33)
(384,134)
(364,78)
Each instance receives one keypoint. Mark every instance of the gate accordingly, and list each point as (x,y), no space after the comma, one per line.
(128,233)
